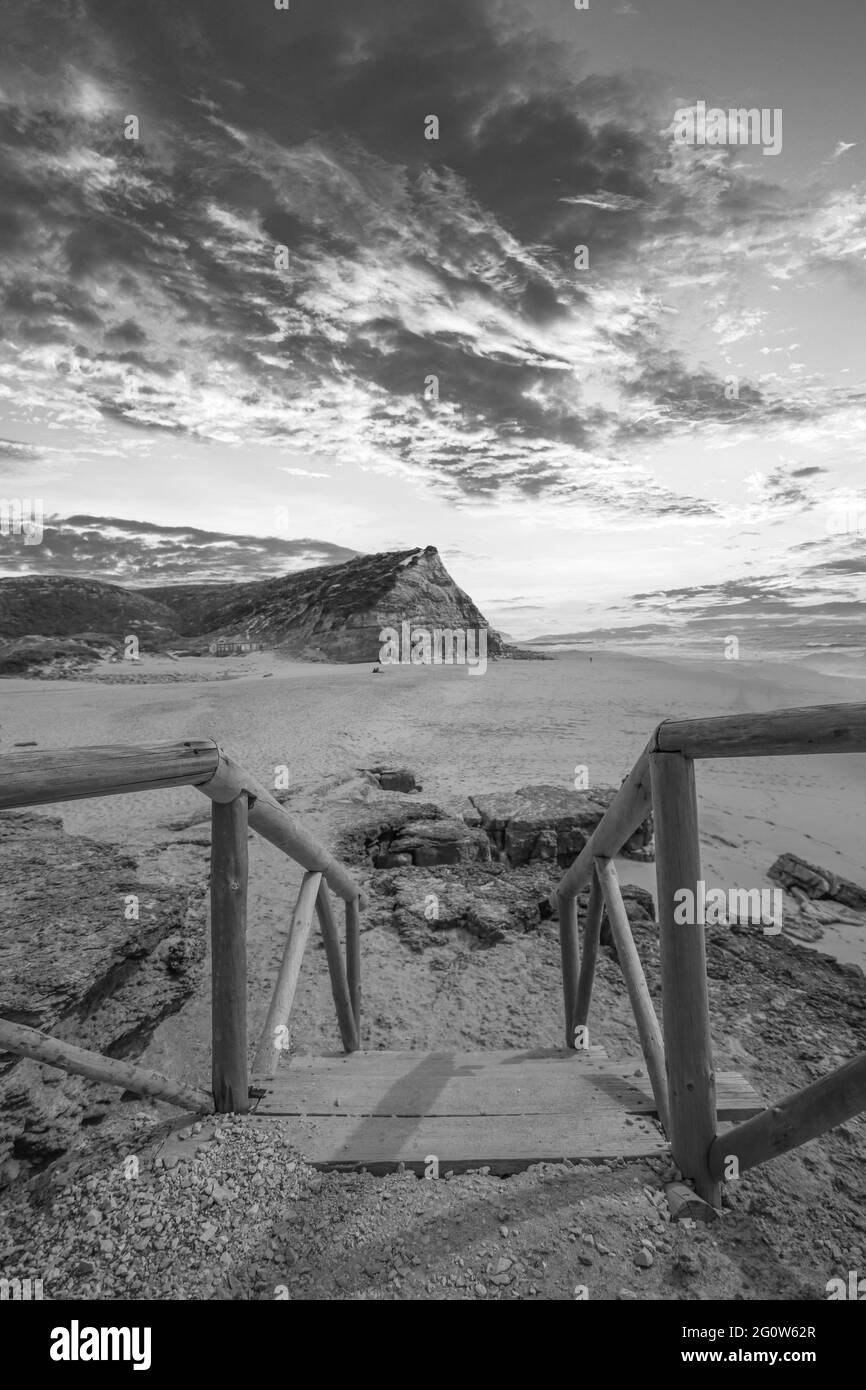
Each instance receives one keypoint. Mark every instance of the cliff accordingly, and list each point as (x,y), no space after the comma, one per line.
(331,611)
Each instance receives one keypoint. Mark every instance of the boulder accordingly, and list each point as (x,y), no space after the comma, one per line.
(394,779)
(550,824)
(435,842)
(800,878)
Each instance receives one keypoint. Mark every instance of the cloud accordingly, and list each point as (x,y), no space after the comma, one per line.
(145,553)
(140,286)
(15,449)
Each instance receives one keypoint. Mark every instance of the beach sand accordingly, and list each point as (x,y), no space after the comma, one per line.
(520,723)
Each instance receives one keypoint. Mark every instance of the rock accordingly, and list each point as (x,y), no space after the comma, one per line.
(643,1259)
(394,779)
(684,1203)
(428,842)
(549,823)
(73,966)
(337,612)
(794,873)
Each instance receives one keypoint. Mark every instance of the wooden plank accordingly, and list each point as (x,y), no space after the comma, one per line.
(625,814)
(685,1002)
(569,951)
(445,1084)
(645,1016)
(839,728)
(337,970)
(808,1113)
(40,1047)
(589,957)
(274,1036)
(507,1144)
(228,897)
(69,774)
(444,1058)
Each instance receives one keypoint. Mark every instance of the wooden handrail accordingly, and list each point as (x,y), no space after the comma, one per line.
(625,814)
(662,781)
(828,1102)
(339,980)
(638,992)
(238,801)
(274,1035)
(71,774)
(815,729)
(80,1061)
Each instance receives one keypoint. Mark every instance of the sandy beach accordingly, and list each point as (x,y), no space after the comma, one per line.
(520,723)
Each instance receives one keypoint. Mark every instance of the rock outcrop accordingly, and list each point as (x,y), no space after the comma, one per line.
(549,823)
(488,903)
(537,824)
(340,610)
(398,834)
(90,954)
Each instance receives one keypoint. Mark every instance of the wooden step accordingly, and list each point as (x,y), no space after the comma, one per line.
(500,1109)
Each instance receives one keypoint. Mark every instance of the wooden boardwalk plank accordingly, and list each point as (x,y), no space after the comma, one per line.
(482,1084)
(504,1143)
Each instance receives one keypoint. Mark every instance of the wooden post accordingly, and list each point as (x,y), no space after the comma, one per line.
(569,950)
(228,899)
(30,1042)
(353,959)
(591,937)
(274,1036)
(638,992)
(685,1002)
(339,983)
(805,1115)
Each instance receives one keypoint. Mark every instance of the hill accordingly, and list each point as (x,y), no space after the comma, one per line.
(332,611)
(54,605)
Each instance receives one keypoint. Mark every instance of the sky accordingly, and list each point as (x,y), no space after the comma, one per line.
(280,312)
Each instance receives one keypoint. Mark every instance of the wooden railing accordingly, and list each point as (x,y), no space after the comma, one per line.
(680,1064)
(239,803)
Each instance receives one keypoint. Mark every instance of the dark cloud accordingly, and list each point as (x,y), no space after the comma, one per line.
(149,265)
(16,449)
(138,552)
